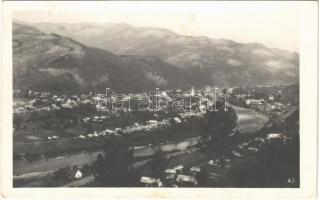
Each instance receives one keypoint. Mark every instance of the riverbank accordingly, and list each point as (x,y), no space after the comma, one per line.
(79,159)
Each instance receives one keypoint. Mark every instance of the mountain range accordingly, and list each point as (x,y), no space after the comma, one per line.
(82,56)
(52,62)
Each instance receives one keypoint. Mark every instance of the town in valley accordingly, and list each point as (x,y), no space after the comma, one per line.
(106,100)
(71,140)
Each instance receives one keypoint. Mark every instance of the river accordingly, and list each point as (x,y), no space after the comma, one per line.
(249,120)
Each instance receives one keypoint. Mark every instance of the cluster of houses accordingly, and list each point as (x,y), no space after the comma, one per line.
(51,101)
(105,132)
(136,127)
(270,108)
(277,137)
(253,146)
(53,137)
(145,127)
(45,101)
(148,126)
(250,147)
(267,103)
(174,177)
(186,115)
(95,119)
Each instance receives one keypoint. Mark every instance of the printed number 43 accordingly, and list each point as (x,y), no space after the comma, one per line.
(291,180)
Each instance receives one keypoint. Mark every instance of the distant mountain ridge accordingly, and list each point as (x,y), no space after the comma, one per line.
(80,57)
(52,62)
(223,62)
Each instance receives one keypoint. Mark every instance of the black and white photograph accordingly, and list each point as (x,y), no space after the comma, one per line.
(163,95)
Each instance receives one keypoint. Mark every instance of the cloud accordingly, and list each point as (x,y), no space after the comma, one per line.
(234,62)
(160,81)
(262,53)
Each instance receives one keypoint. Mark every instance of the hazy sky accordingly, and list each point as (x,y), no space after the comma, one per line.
(275,24)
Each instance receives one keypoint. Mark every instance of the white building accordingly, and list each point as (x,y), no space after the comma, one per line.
(78,174)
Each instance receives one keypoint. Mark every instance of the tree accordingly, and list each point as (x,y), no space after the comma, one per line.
(217,124)
(202,177)
(63,174)
(113,167)
(158,164)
